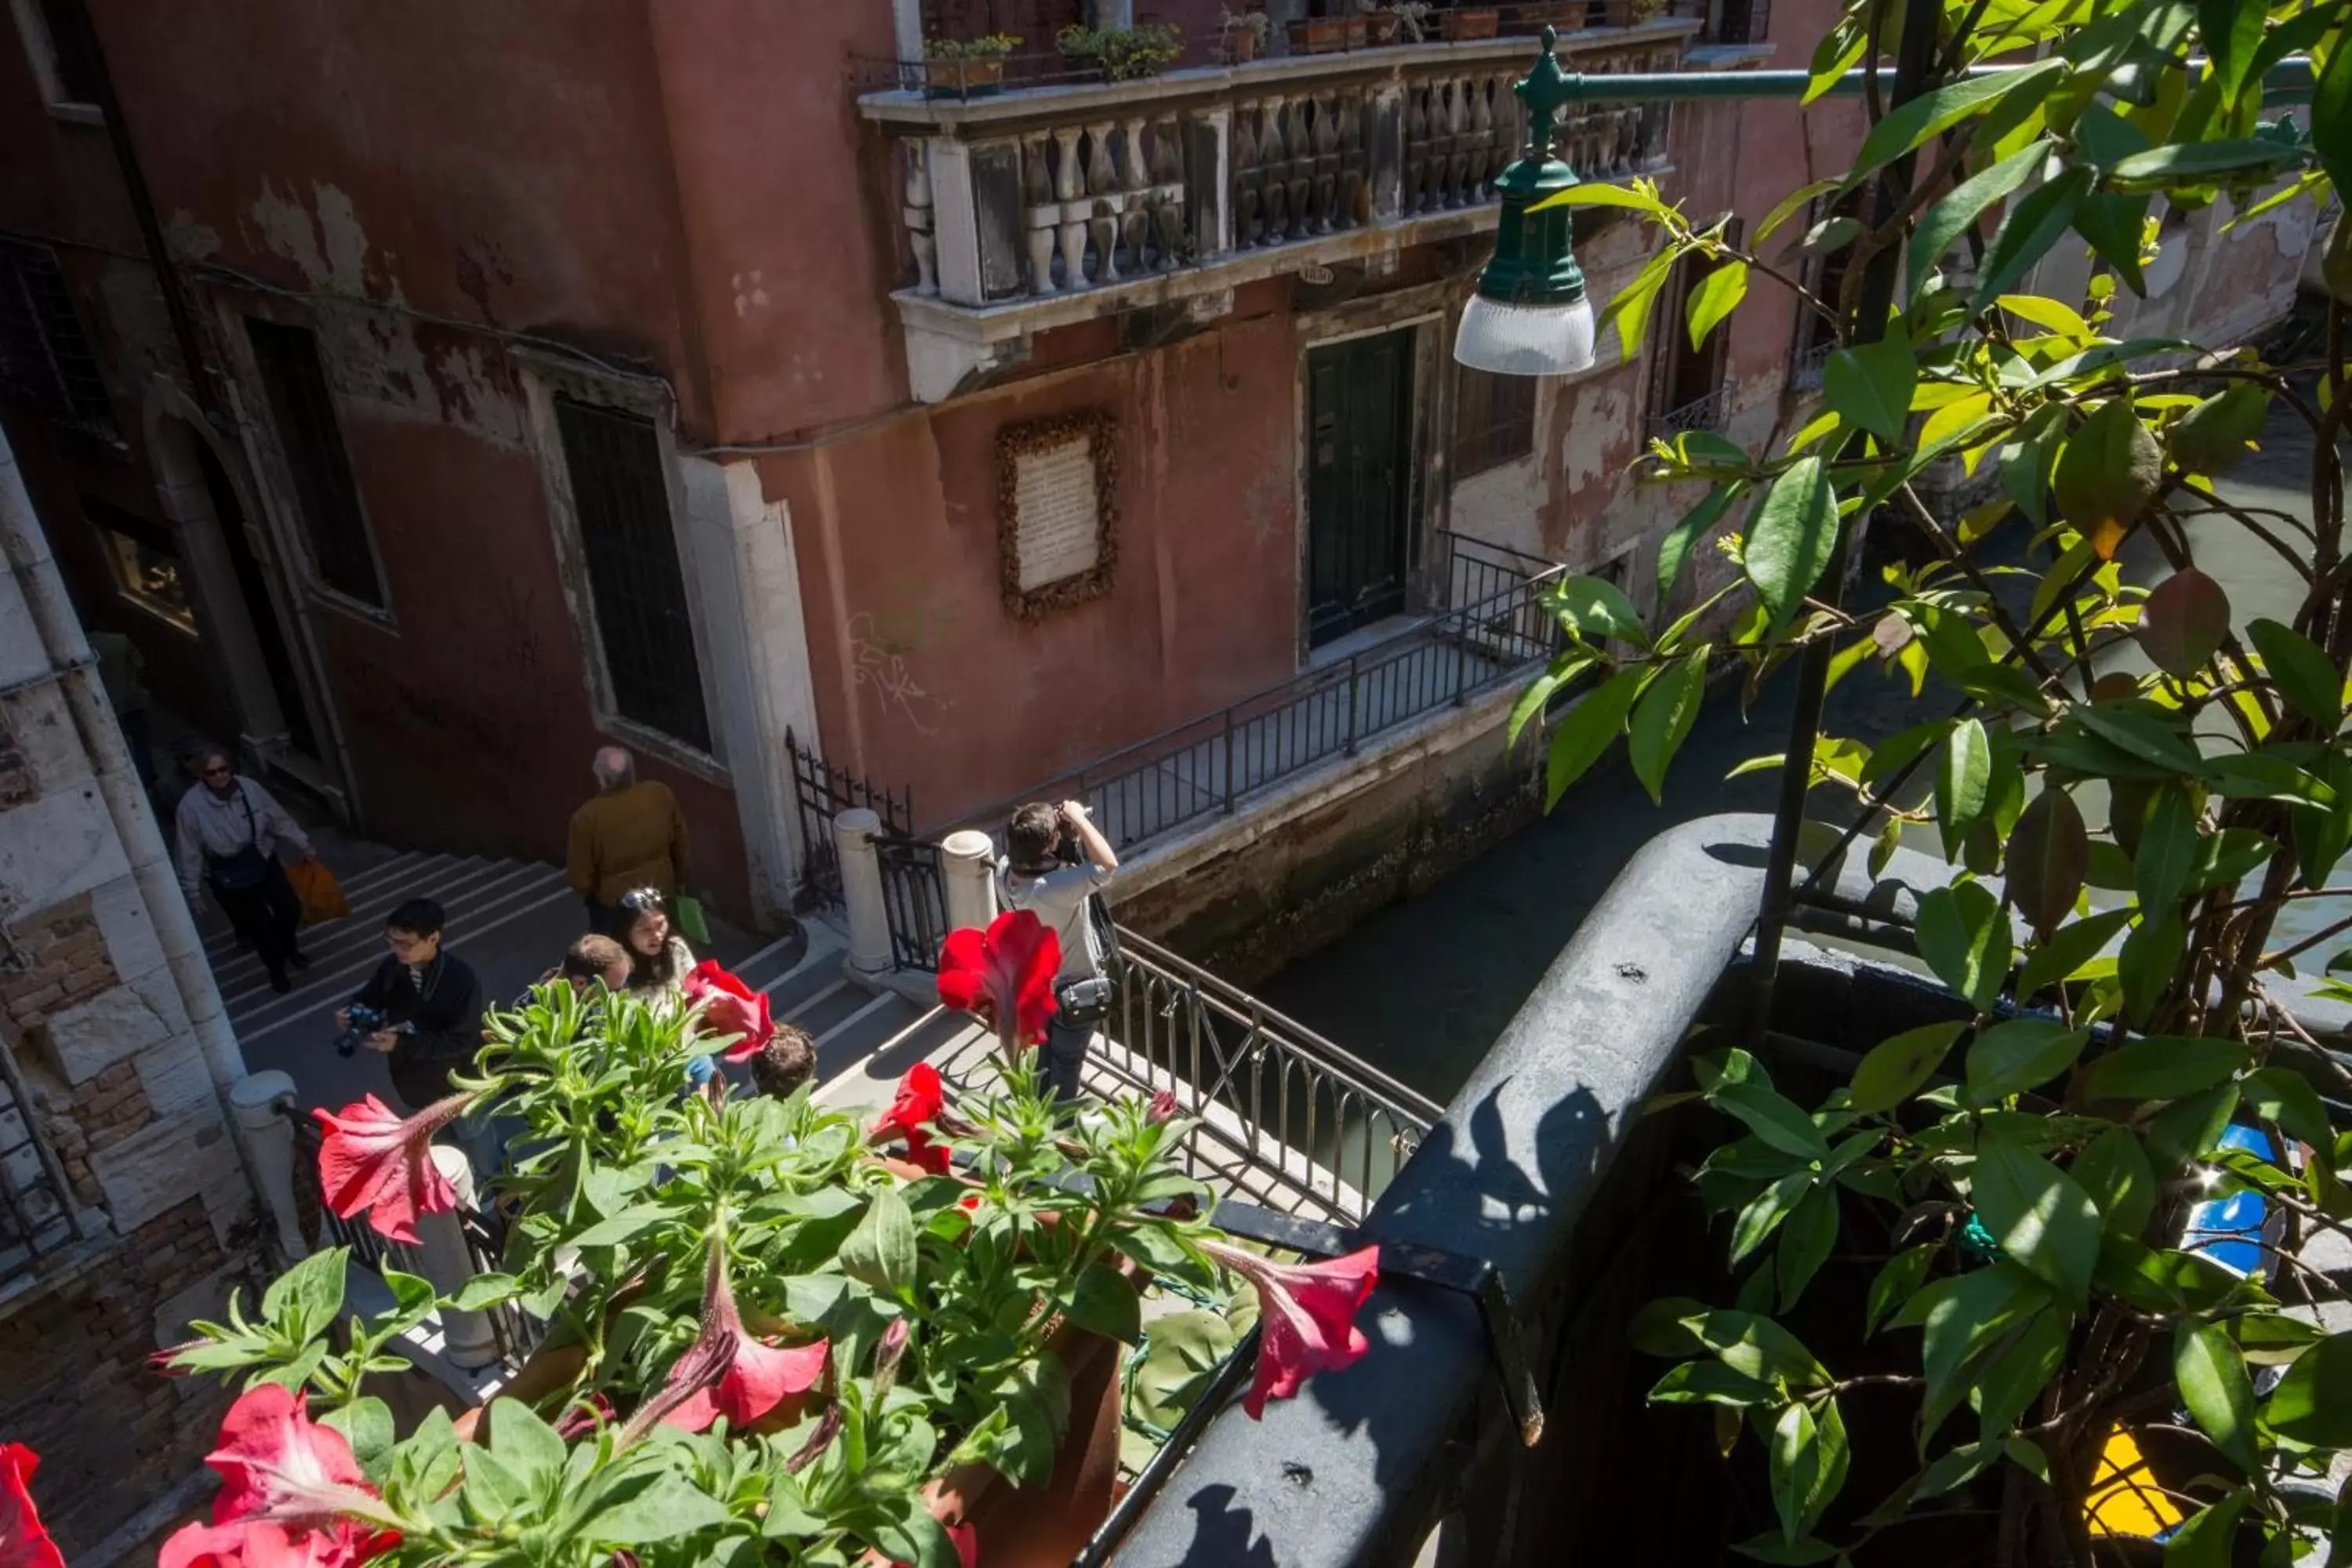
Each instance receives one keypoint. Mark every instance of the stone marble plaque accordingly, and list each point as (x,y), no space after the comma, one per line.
(1058,508)
(1059,530)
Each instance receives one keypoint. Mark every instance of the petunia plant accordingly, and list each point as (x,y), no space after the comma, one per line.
(2050,1269)
(777,1333)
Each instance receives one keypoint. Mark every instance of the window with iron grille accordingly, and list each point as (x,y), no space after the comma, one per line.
(334,527)
(1494,420)
(635,582)
(45,356)
(1743,22)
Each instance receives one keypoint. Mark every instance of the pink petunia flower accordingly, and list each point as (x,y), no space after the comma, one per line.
(727,1371)
(24,1541)
(1307,1316)
(291,1494)
(730,1008)
(1003,976)
(921,1096)
(374,1160)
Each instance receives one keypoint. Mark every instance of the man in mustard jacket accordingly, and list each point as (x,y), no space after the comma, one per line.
(631,835)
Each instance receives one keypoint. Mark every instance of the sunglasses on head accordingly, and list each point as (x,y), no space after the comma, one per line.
(642,900)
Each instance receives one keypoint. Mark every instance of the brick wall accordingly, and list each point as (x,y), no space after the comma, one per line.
(74,1383)
(53,959)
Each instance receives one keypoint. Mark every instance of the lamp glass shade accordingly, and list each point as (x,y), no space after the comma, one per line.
(1525,339)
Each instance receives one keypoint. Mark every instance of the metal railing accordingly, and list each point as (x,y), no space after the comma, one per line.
(822,792)
(1805,370)
(1495,626)
(1699,414)
(913,904)
(1269,1091)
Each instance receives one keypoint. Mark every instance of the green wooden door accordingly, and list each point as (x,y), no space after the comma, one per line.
(1358,472)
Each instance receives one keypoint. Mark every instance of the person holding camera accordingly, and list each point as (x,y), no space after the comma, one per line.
(426,1003)
(1056,864)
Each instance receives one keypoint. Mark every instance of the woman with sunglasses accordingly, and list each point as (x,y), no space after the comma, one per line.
(659,957)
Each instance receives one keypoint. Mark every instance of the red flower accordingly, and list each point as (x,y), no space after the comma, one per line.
(730,1008)
(921,1096)
(969,1203)
(1162,1108)
(372,1160)
(23,1543)
(1003,976)
(1307,1316)
(292,1495)
(726,1371)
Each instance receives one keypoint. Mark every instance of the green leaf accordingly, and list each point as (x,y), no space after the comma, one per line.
(1715,296)
(528,1444)
(1788,206)
(880,1253)
(626,1225)
(2232,31)
(2027,232)
(2042,1218)
(1763,1214)
(1770,1548)
(1771,1117)
(2312,1403)
(1960,208)
(1792,537)
(1760,1348)
(2167,857)
(1565,667)
(1587,731)
(2303,672)
(2021,1370)
(2214,437)
(2114,1169)
(2285,1098)
(2139,734)
(2049,853)
(1663,717)
(2205,1539)
(2161,1067)
(2068,949)
(1104,1301)
(1896,1281)
(2149,962)
(2108,473)
(484,1291)
(2200,164)
(366,1424)
(1710,1383)
(1908,127)
(2183,622)
(1805,1242)
(2025,1053)
(1954,1467)
(1631,307)
(1834,54)
(1598,194)
(1895,1068)
(1870,384)
(1963,778)
(1796,1462)
(1181,1355)
(1697,524)
(1964,1317)
(2214,1385)
(1965,939)
(303,1301)
(1596,608)
(2189,1128)
(671,1507)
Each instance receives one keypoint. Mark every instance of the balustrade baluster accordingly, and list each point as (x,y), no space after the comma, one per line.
(1355,201)
(1104,201)
(1040,213)
(1298,137)
(1137,220)
(1168,208)
(1327,161)
(921,239)
(1273,160)
(1413,184)
(1249,180)
(1458,146)
(1069,187)
(1482,140)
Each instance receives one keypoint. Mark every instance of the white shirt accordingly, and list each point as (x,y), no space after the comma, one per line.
(207,824)
(1058,899)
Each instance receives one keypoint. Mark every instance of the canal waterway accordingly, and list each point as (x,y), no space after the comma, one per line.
(1423,987)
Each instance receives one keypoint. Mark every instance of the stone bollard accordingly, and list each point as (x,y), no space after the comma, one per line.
(443,1258)
(968,879)
(861,891)
(269,1140)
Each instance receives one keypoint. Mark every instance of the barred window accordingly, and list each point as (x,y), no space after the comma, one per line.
(45,356)
(1494,420)
(328,501)
(635,582)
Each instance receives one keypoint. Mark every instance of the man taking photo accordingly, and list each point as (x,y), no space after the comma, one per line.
(1055,863)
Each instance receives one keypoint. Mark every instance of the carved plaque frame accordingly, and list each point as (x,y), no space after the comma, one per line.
(1100,429)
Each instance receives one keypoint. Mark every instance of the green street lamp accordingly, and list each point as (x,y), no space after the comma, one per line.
(1530,315)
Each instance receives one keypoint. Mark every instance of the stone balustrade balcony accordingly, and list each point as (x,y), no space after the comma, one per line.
(1037,207)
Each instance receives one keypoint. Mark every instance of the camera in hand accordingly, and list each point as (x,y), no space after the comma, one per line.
(1068,849)
(365,1021)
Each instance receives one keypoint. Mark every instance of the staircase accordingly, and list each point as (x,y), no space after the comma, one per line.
(511,920)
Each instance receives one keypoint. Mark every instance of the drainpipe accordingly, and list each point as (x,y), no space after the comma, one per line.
(26,550)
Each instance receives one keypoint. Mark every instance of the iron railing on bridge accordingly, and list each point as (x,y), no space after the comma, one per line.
(1269,1091)
(913,901)
(821,792)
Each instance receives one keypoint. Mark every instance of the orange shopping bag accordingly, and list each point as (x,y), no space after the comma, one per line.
(322,895)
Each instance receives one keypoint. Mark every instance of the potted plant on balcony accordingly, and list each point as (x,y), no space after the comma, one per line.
(1399,21)
(782,1333)
(2037,1278)
(1123,54)
(1327,35)
(1471,22)
(1243,35)
(966,67)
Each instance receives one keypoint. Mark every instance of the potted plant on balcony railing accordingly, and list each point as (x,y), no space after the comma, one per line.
(1123,54)
(1398,21)
(1329,35)
(2044,1268)
(1463,21)
(966,67)
(781,1334)
(1242,34)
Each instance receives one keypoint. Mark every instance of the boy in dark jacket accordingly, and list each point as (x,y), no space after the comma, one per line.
(431,1002)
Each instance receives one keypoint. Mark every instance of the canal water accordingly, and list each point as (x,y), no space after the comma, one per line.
(1424,988)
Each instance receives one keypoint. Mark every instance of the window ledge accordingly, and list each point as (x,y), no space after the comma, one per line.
(78,113)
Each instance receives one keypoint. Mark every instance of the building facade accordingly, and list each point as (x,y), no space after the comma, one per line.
(697,374)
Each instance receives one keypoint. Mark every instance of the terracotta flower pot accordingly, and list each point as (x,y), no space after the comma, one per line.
(963,77)
(1241,46)
(1479,23)
(1383,28)
(1321,35)
(1045,1527)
